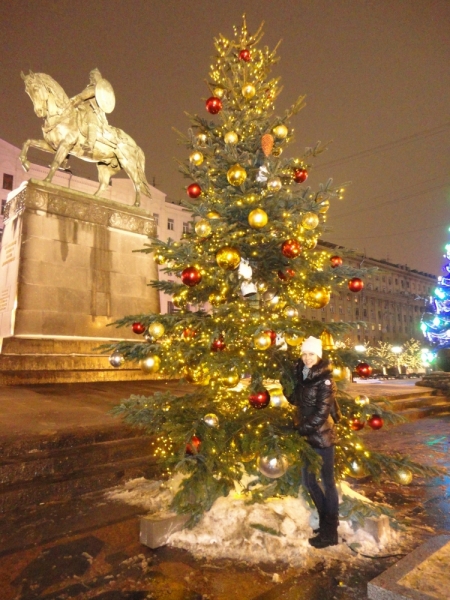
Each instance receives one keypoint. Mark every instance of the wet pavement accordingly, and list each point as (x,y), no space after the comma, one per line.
(88,547)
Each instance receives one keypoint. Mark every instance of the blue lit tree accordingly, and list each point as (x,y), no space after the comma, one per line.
(436,321)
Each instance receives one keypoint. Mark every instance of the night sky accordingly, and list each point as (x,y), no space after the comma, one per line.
(375,72)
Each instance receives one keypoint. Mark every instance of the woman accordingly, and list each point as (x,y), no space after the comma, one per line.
(315,397)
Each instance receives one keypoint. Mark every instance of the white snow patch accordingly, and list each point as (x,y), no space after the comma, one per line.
(275,530)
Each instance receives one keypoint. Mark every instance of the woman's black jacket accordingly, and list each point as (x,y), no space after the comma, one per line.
(317,408)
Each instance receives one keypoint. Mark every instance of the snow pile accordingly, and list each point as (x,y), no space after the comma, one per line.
(275,530)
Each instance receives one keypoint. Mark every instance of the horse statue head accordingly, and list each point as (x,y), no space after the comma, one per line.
(47,96)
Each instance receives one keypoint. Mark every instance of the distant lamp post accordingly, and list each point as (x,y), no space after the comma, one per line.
(397,350)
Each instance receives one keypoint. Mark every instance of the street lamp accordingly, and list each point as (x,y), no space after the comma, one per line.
(397,350)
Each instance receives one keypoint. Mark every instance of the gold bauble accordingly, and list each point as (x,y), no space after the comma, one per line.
(197,375)
(277,152)
(262,341)
(274,184)
(277,397)
(230,380)
(327,340)
(403,476)
(203,228)
(231,137)
(156,330)
(159,258)
(324,206)
(362,399)
(318,297)
(357,470)
(310,220)
(280,131)
(236,175)
(196,157)
(213,215)
(248,91)
(290,312)
(258,218)
(216,299)
(228,258)
(180,299)
(309,243)
(151,364)
(202,138)
(292,339)
(219,92)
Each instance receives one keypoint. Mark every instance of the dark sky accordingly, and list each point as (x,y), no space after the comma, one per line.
(375,72)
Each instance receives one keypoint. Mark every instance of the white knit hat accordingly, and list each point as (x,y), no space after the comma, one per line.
(312,344)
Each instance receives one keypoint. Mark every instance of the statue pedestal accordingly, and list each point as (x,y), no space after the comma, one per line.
(67,271)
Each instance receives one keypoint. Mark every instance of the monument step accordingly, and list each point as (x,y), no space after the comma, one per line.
(417,408)
(44,376)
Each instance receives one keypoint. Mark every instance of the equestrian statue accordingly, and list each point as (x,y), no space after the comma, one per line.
(78,127)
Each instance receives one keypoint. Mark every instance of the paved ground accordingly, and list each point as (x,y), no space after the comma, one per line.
(89,548)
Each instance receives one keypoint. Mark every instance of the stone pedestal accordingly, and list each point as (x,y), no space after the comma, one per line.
(77,272)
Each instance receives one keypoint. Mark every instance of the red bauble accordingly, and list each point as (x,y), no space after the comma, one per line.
(189,333)
(363,369)
(194,190)
(286,274)
(273,336)
(214,105)
(193,447)
(356,424)
(138,328)
(376,422)
(336,261)
(191,276)
(291,248)
(245,55)
(218,345)
(356,284)
(300,175)
(260,399)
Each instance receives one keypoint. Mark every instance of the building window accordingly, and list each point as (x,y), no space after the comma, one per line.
(170,224)
(3,207)
(185,227)
(8,181)
(156,217)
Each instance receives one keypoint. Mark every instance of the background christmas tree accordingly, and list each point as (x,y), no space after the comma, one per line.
(245,272)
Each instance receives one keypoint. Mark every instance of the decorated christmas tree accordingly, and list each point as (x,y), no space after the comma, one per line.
(244,274)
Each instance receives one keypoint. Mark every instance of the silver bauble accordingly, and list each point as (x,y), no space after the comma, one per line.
(116,359)
(211,419)
(273,466)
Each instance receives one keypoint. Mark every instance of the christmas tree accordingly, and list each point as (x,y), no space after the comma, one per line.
(436,321)
(245,271)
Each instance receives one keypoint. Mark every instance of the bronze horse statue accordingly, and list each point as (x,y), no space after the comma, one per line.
(65,134)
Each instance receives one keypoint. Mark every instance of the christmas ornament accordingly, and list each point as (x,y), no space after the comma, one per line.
(196,157)
(138,328)
(327,340)
(357,470)
(286,274)
(211,419)
(259,399)
(218,345)
(231,137)
(189,333)
(216,299)
(191,276)
(292,339)
(258,218)
(245,271)
(203,228)
(300,175)
(356,424)
(194,190)
(277,397)
(363,369)
(403,476)
(274,184)
(375,422)
(231,380)
(244,55)
(262,340)
(290,312)
(213,215)
(159,258)
(236,175)
(277,152)
(156,330)
(317,298)
(214,105)
(193,447)
(324,205)
(248,289)
(362,400)
(219,92)
(310,243)
(116,359)
(267,143)
(228,258)
(280,131)
(291,248)
(151,364)
(202,138)
(310,220)
(180,299)
(336,261)
(269,295)
(197,375)
(273,467)
(273,336)
(355,284)
(248,91)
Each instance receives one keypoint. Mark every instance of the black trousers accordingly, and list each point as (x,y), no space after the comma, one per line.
(325,496)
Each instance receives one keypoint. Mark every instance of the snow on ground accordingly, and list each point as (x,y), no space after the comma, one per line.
(275,530)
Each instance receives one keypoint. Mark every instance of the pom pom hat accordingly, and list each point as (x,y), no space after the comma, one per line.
(312,344)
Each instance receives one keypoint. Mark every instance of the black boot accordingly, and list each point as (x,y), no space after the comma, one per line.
(328,535)
(321,522)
